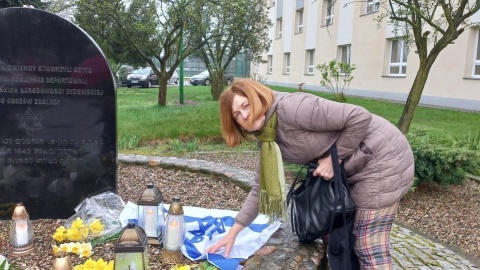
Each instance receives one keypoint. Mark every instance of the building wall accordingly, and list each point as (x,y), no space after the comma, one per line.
(450,82)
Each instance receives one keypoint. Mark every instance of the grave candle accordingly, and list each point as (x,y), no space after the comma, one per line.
(21,232)
(150,220)
(174,236)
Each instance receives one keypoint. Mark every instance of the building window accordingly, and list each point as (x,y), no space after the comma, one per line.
(310,55)
(299,19)
(257,67)
(476,61)
(329,11)
(398,58)
(269,64)
(286,61)
(372,6)
(344,56)
(279,28)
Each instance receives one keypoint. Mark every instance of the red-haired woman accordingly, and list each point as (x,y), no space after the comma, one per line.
(300,127)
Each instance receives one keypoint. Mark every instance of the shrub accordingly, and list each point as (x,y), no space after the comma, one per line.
(439,162)
(336,76)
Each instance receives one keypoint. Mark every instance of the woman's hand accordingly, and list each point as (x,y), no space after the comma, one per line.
(227,241)
(325,168)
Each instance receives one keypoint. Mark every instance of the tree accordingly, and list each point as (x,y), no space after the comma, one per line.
(108,36)
(63,8)
(154,30)
(235,26)
(20,3)
(431,26)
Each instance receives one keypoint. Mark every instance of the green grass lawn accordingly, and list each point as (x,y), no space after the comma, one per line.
(146,128)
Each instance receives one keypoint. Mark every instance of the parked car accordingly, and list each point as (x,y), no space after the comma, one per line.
(174,79)
(122,74)
(143,77)
(204,78)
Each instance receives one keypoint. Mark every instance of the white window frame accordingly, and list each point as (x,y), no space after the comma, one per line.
(270,64)
(279,28)
(402,54)
(310,60)
(348,52)
(372,6)
(329,10)
(476,57)
(286,60)
(299,15)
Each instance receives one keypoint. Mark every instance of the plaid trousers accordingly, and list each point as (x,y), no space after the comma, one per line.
(372,230)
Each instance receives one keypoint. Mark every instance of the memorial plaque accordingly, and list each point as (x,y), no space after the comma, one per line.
(57,115)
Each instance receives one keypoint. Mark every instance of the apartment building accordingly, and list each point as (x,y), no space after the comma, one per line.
(306,33)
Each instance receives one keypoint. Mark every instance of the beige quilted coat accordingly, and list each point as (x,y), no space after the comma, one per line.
(377,156)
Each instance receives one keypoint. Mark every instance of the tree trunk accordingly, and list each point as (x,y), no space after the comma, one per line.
(162,91)
(217,85)
(413,98)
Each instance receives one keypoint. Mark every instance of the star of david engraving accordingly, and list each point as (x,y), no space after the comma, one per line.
(30,121)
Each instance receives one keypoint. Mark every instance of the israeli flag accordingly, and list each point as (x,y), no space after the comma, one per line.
(204,227)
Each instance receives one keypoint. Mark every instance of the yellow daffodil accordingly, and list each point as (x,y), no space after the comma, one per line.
(96,227)
(85,253)
(78,223)
(89,264)
(85,250)
(100,264)
(74,234)
(84,232)
(60,234)
(75,249)
(55,249)
(109,266)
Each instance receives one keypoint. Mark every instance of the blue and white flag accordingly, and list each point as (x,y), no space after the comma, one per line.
(208,226)
(204,227)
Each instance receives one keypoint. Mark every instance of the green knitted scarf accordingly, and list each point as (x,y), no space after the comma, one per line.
(272,176)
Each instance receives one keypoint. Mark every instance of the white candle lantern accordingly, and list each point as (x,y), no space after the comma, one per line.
(173,232)
(150,213)
(131,249)
(21,231)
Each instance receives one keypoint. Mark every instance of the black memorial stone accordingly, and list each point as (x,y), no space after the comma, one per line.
(57,115)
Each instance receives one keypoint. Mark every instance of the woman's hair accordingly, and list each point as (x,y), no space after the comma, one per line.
(260,99)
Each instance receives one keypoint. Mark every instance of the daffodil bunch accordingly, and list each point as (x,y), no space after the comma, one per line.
(202,266)
(181,267)
(79,231)
(82,249)
(90,264)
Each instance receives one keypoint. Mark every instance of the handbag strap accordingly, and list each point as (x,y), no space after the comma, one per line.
(340,180)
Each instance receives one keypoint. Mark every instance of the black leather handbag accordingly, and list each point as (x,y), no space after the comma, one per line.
(318,206)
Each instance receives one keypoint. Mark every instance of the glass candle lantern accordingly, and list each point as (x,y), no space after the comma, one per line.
(173,232)
(150,211)
(131,249)
(21,231)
